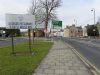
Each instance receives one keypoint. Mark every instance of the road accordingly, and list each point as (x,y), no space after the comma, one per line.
(8,41)
(90,49)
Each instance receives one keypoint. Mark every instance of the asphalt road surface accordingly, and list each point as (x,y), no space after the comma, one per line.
(8,42)
(89,48)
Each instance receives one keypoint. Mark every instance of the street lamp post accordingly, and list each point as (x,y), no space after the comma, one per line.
(94,20)
(94,14)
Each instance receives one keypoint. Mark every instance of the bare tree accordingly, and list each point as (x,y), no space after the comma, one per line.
(49,7)
(44,10)
(35,6)
(35,9)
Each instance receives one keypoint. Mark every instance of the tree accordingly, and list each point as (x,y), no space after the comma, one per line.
(98,26)
(35,9)
(44,10)
(92,30)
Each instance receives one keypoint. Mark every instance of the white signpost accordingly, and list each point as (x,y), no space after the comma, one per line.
(20,21)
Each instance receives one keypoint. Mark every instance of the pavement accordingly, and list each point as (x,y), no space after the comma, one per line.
(61,60)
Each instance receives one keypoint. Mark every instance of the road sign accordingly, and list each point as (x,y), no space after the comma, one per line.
(56,24)
(20,21)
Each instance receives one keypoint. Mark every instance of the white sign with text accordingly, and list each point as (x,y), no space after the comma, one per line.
(20,21)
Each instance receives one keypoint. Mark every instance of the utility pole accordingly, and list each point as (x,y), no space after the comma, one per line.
(94,14)
(94,21)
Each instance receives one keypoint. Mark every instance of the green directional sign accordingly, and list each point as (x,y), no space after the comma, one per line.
(57,23)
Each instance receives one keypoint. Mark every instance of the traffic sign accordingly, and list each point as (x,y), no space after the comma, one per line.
(56,23)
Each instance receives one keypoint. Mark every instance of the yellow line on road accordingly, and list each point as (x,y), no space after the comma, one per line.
(88,63)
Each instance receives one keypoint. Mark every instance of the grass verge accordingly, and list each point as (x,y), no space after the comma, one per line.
(22,65)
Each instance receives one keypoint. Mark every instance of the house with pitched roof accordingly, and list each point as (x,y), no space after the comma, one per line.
(73,31)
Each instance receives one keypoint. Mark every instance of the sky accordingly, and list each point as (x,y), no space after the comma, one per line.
(69,12)
(78,10)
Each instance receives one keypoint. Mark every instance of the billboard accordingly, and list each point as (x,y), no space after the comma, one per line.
(20,21)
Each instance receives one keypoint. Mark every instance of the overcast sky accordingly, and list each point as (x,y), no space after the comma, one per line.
(79,10)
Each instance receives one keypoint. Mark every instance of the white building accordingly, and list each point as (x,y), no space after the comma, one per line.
(85,32)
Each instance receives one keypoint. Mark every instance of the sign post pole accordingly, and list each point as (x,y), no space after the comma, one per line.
(57,25)
(53,30)
(20,21)
(33,36)
(29,41)
(12,40)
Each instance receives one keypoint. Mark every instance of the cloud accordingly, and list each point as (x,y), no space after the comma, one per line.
(97,7)
(79,10)
(13,6)
(70,10)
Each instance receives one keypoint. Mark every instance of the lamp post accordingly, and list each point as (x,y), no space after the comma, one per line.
(94,14)
(93,10)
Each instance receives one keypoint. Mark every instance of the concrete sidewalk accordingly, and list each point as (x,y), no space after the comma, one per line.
(61,61)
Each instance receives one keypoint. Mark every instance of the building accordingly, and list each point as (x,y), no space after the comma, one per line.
(79,31)
(73,31)
(66,32)
(70,31)
(98,26)
(85,32)
(37,33)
